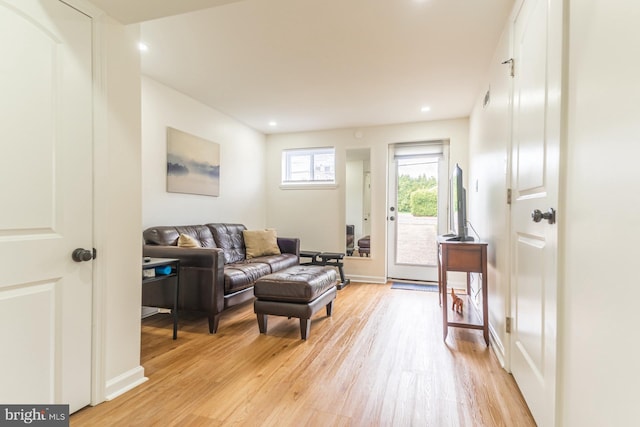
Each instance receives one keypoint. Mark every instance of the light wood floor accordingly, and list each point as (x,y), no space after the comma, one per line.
(378,361)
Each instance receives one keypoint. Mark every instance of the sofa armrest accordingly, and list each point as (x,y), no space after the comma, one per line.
(201,278)
(189,257)
(289,245)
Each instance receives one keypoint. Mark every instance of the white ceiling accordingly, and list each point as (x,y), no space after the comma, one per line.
(321,64)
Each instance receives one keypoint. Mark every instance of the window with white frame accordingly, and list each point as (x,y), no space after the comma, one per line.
(309,166)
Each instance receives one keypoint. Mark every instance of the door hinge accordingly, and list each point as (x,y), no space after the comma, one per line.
(511,62)
(508,324)
(508,196)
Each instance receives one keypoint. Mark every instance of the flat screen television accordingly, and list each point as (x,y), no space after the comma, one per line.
(458,208)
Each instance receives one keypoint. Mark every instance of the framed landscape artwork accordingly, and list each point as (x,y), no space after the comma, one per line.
(193,164)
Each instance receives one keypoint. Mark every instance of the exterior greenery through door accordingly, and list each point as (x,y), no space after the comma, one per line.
(418,195)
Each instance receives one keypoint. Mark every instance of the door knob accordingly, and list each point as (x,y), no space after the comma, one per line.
(81,254)
(392,218)
(537,215)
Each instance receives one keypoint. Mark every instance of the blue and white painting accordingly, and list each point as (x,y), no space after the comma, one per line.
(193,164)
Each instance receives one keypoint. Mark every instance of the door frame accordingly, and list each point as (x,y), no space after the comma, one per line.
(100,186)
(443,205)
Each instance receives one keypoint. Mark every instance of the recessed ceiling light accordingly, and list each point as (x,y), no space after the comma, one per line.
(425,109)
(273,123)
(143,47)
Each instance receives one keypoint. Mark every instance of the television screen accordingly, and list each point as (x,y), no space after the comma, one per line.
(458,207)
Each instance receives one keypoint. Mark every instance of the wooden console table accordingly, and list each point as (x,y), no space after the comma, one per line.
(467,257)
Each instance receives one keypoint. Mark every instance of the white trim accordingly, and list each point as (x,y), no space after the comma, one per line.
(98,342)
(85,7)
(308,186)
(100,153)
(124,382)
(368,279)
(498,347)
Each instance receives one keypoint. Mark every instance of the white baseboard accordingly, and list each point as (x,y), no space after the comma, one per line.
(125,382)
(367,279)
(498,347)
(149,311)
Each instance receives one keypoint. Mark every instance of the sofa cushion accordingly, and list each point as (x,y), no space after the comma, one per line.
(277,262)
(186,241)
(169,235)
(201,233)
(242,275)
(299,284)
(260,243)
(161,236)
(228,237)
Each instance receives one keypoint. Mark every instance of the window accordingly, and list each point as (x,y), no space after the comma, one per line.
(309,166)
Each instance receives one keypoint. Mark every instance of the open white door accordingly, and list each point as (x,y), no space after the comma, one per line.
(46,187)
(537,113)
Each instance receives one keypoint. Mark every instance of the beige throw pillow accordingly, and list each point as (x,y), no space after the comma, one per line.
(260,243)
(186,241)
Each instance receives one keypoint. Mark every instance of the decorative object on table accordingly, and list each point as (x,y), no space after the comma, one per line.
(193,164)
(163,270)
(457,302)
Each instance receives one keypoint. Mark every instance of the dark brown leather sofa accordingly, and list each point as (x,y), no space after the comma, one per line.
(217,275)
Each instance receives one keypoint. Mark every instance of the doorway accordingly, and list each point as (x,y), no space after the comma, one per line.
(416,208)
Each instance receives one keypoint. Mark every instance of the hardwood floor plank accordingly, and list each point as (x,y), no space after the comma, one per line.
(378,360)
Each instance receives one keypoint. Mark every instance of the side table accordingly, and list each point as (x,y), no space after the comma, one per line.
(162,289)
(467,257)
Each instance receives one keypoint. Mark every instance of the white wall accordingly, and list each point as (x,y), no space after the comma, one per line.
(117,183)
(242,168)
(599,349)
(318,216)
(489,142)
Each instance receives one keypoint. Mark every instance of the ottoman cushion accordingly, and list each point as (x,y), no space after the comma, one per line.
(364,242)
(300,284)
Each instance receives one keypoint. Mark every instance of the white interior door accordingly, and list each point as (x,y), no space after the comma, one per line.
(46,188)
(411,235)
(536,120)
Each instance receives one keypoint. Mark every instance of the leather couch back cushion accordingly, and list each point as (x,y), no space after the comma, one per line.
(162,236)
(168,235)
(228,237)
(199,232)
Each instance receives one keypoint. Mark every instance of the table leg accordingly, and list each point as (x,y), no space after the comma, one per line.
(445,320)
(175,303)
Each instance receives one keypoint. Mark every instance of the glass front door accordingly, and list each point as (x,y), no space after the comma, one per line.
(416,211)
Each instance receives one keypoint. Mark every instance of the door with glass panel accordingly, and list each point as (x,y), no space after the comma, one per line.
(416,209)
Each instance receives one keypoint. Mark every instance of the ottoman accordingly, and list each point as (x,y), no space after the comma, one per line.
(299,291)
(364,245)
